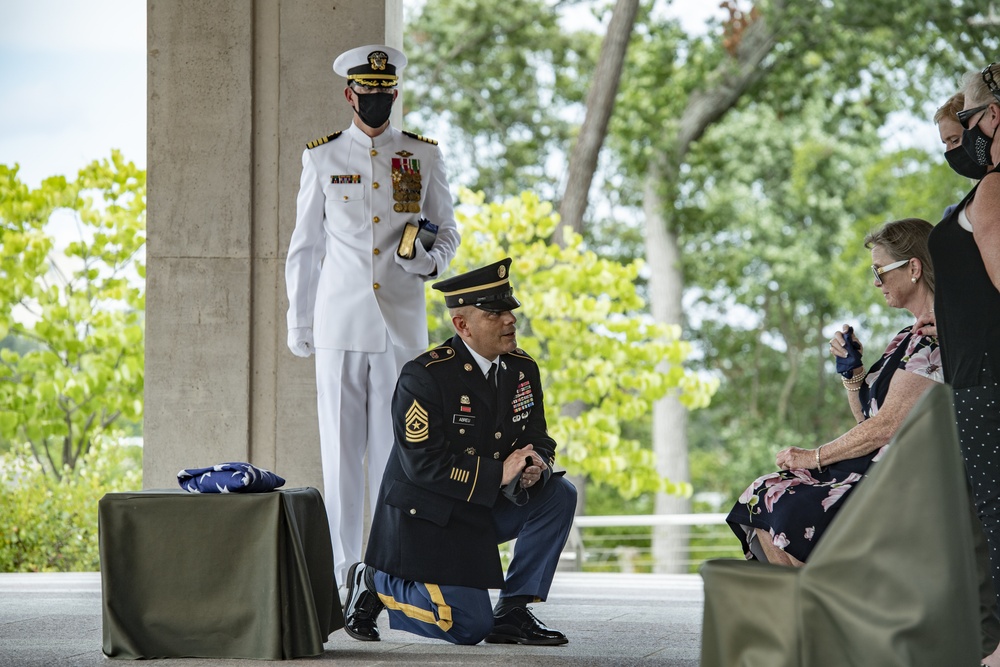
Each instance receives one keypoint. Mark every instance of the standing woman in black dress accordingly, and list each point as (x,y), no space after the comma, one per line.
(965,248)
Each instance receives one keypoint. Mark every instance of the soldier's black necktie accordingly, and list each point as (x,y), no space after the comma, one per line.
(491,378)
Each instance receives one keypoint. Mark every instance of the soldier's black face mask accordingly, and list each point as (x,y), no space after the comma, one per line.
(374,108)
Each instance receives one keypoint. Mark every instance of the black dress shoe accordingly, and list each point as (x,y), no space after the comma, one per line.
(363,606)
(519,626)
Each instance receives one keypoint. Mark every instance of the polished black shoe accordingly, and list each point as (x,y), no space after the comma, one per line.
(363,605)
(519,626)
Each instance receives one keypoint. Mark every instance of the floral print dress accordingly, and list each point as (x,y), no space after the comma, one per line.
(796,506)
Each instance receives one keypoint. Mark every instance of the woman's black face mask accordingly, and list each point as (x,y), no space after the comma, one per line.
(963,164)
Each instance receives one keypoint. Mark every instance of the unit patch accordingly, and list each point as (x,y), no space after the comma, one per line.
(416,423)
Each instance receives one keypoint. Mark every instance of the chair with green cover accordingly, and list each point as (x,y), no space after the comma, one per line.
(892,583)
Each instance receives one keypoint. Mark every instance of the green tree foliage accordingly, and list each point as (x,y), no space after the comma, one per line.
(771,198)
(50,525)
(582,321)
(784,243)
(503,75)
(76,312)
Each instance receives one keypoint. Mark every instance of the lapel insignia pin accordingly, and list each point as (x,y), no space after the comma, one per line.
(464,400)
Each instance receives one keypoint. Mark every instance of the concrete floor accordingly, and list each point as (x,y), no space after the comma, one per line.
(610,619)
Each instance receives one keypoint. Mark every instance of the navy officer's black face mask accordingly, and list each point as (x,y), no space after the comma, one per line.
(374,108)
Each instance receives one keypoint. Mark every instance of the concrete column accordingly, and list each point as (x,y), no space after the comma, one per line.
(235,90)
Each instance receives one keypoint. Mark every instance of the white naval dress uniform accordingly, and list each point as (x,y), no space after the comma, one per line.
(367,314)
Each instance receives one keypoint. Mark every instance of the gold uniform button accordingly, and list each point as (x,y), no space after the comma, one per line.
(461,431)
(375,185)
(497,435)
(413,510)
(375,251)
(376,285)
(375,219)
(345,197)
(374,152)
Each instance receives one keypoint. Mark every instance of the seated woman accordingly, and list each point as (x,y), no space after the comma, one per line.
(782,515)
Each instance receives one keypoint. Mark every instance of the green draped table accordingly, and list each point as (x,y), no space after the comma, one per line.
(236,575)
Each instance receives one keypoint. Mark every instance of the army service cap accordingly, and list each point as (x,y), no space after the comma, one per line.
(374,65)
(487,288)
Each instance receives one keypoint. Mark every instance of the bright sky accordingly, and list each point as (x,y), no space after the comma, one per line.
(73,76)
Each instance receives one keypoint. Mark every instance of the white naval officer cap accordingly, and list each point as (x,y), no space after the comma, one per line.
(374,65)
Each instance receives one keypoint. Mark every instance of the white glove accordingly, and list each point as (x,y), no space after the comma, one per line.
(422,264)
(300,341)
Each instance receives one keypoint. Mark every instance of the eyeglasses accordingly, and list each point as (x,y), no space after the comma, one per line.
(965,115)
(879,270)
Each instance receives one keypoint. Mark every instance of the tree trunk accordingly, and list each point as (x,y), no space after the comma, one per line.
(600,104)
(669,416)
(748,47)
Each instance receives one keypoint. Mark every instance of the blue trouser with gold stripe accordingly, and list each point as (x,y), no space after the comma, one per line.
(464,615)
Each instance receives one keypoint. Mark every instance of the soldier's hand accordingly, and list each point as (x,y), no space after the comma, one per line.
(515,463)
(300,341)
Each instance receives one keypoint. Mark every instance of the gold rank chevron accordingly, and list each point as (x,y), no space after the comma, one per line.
(417,429)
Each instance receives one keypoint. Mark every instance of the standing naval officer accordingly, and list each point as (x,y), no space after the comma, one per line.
(470,468)
(353,300)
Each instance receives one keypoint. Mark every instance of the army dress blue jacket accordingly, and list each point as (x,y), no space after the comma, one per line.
(432,522)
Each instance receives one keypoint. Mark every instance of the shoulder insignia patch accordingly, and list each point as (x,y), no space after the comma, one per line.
(417,429)
(419,137)
(323,140)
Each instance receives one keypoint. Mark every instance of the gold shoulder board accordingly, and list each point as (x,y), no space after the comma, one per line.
(419,137)
(323,140)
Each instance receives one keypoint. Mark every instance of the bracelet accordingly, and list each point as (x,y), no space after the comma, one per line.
(818,466)
(854,385)
(857,379)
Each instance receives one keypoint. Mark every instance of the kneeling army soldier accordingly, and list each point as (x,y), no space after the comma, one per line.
(470,468)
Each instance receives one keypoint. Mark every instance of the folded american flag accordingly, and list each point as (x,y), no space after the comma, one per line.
(228,478)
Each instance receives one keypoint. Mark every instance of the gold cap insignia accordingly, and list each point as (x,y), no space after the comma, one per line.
(378,59)
(501,271)
(416,423)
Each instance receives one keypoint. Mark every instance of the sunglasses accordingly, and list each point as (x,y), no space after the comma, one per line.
(966,115)
(879,270)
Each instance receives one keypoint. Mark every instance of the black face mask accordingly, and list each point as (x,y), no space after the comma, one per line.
(374,108)
(977,145)
(963,164)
